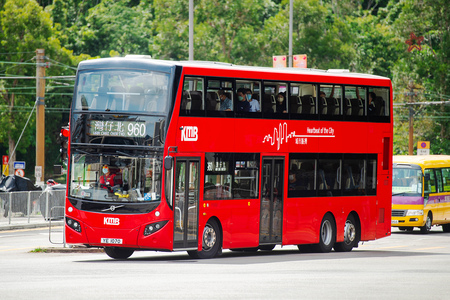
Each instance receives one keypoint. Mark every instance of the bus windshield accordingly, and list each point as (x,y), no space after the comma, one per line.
(115,178)
(122,90)
(407,182)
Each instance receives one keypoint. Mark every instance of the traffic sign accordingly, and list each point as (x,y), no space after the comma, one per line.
(5,159)
(19,172)
(5,170)
(423,148)
(19,165)
(38,171)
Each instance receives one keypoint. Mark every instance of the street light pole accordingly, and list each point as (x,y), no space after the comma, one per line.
(291,21)
(191,29)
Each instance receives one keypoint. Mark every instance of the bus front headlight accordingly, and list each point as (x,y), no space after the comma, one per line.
(414,212)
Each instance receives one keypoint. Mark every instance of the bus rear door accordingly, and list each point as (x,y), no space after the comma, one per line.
(187,189)
(271,200)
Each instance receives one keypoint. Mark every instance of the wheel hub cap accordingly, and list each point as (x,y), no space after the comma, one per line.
(349,232)
(209,238)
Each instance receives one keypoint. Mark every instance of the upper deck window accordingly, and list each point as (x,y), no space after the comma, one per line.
(271,99)
(122,90)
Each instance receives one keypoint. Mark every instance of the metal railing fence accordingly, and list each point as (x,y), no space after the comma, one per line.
(31,207)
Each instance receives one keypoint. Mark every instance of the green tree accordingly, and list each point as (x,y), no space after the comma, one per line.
(25,27)
(427,68)
(103,27)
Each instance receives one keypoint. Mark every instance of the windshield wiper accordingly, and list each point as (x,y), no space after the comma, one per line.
(397,194)
(84,152)
(130,155)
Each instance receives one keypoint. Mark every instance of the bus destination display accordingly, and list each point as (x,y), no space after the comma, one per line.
(117,128)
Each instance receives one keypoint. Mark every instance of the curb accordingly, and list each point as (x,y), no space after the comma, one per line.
(74,249)
(29,225)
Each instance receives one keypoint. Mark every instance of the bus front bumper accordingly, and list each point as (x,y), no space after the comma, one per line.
(410,218)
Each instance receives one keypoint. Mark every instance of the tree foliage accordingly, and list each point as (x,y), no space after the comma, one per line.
(360,35)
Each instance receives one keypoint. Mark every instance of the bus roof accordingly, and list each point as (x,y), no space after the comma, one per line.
(425,161)
(305,71)
(135,61)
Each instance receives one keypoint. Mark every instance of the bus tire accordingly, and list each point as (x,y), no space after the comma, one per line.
(327,235)
(118,252)
(446,227)
(350,236)
(427,227)
(211,241)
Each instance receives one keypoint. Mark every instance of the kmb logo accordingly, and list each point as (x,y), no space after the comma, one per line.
(189,133)
(111,221)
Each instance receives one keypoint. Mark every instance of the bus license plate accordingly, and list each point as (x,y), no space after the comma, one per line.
(111,241)
(394,221)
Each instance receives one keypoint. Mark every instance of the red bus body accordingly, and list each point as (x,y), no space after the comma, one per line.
(190,137)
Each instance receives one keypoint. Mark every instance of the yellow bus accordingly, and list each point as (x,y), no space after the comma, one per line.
(421,192)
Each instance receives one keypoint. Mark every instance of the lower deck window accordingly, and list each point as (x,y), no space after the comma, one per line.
(313,175)
(231,176)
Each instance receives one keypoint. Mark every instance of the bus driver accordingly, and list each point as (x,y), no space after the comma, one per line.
(108,179)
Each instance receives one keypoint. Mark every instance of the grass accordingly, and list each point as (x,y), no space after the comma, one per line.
(39,250)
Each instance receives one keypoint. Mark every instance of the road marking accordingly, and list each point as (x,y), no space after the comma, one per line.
(12,235)
(14,249)
(430,248)
(392,247)
(29,229)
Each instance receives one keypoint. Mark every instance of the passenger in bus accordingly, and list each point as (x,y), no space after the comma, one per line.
(323,95)
(281,104)
(294,183)
(254,104)
(242,105)
(108,179)
(225,102)
(371,106)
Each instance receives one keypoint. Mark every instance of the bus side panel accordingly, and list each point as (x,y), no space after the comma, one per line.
(446,208)
(239,220)
(192,134)
(436,203)
(347,138)
(245,222)
(302,217)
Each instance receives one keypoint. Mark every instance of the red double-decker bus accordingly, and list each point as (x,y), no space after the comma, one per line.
(202,157)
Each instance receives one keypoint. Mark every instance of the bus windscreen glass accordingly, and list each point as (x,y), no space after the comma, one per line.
(115,178)
(121,90)
(407,182)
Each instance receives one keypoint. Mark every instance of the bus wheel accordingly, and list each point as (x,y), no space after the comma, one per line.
(427,227)
(119,253)
(211,241)
(446,227)
(327,234)
(350,236)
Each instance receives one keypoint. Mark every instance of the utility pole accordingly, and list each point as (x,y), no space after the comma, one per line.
(411,93)
(411,130)
(40,115)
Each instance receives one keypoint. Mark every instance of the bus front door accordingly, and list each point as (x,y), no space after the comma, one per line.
(271,201)
(187,188)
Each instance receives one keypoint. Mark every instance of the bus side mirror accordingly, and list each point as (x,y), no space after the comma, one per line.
(168,162)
